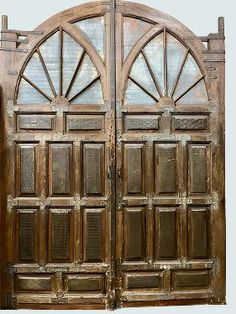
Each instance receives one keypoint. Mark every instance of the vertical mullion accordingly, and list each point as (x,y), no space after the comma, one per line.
(179,73)
(165,62)
(46,72)
(75,73)
(43,212)
(151,73)
(61,63)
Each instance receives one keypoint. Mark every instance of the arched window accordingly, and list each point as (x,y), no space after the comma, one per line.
(165,67)
(60,67)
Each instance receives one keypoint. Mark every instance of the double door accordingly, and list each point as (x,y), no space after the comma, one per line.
(111,131)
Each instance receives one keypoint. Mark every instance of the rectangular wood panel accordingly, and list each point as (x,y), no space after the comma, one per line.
(141,122)
(135,233)
(199,165)
(166,168)
(93,169)
(35,122)
(143,280)
(94,234)
(134,168)
(82,122)
(26,235)
(60,235)
(26,169)
(60,169)
(190,280)
(189,122)
(82,283)
(39,283)
(166,233)
(198,220)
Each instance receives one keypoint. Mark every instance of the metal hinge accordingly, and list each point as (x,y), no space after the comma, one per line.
(11,203)
(9,268)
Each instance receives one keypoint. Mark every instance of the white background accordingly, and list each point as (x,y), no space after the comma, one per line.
(201,17)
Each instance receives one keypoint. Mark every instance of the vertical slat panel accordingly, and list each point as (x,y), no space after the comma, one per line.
(134,233)
(198,233)
(134,172)
(93,235)
(59,235)
(60,169)
(166,233)
(27,170)
(26,166)
(198,168)
(42,178)
(42,238)
(166,175)
(27,231)
(93,168)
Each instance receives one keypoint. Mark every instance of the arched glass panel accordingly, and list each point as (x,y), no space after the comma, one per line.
(50,51)
(166,68)
(94,28)
(133,30)
(72,53)
(136,95)
(35,66)
(60,67)
(30,95)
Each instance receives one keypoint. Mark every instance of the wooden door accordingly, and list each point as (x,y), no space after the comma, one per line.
(112,161)
(58,167)
(170,157)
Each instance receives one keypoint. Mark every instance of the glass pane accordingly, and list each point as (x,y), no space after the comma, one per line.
(72,52)
(134,29)
(135,95)
(95,30)
(34,72)
(196,96)
(92,95)
(142,75)
(29,95)
(190,74)
(85,75)
(175,55)
(50,51)
(155,55)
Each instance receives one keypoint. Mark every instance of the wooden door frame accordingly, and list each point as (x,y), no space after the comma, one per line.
(211,61)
